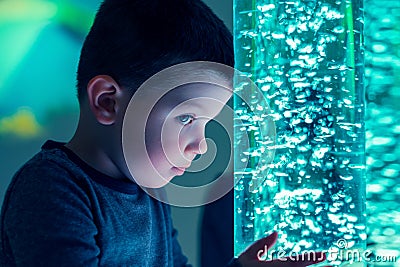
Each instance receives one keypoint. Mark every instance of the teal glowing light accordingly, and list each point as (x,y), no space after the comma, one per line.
(382,64)
(307,59)
(39,49)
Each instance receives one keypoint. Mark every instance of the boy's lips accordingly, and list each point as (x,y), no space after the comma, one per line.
(180,170)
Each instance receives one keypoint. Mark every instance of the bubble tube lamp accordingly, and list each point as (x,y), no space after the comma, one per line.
(307,59)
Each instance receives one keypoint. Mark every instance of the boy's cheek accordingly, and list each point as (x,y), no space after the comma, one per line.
(146,172)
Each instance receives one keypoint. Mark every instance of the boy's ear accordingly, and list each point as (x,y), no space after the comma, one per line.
(104,94)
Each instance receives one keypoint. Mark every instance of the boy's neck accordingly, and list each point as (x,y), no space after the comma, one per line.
(87,149)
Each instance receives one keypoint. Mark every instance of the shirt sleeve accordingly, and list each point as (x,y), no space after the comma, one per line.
(180,260)
(47,219)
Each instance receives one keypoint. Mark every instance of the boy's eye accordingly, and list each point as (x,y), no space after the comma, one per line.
(186,119)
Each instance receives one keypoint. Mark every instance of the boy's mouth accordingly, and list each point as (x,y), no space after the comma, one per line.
(179,170)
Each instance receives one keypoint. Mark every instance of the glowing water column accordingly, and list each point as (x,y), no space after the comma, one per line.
(306,57)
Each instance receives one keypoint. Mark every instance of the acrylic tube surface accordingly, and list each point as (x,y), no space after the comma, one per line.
(307,58)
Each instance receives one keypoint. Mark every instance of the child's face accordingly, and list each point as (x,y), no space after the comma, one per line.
(175,132)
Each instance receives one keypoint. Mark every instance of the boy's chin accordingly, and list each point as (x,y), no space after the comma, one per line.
(159,184)
(155,183)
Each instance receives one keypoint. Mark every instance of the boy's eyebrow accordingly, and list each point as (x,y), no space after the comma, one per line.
(193,104)
(202,109)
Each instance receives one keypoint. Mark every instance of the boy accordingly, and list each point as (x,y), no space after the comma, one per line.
(77,204)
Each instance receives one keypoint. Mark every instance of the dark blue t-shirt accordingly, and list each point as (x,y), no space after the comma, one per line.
(58,211)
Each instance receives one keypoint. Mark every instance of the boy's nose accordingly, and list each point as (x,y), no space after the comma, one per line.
(198,146)
(202,146)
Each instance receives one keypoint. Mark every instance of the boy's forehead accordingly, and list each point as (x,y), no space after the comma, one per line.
(182,82)
(196,90)
(191,75)
(196,95)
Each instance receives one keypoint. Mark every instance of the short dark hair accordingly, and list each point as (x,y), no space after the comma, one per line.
(131,40)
